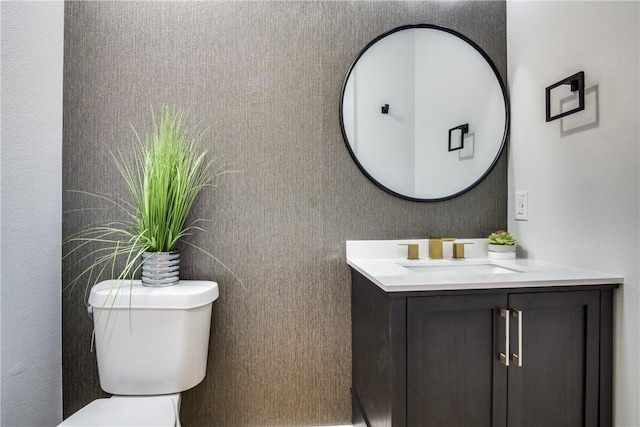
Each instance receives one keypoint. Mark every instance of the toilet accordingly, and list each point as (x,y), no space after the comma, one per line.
(151,344)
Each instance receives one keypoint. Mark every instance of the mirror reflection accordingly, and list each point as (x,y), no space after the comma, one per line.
(424,112)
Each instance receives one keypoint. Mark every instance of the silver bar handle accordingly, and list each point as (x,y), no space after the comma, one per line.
(517,357)
(504,358)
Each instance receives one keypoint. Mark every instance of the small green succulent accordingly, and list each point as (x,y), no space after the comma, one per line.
(501,237)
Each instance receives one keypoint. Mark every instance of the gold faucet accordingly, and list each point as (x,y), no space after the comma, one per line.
(435,246)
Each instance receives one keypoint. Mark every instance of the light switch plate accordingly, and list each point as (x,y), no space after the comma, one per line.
(522,206)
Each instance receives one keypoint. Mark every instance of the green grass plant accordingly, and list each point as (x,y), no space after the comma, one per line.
(164,174)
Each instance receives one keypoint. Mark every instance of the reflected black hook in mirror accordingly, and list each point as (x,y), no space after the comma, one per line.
(463,129)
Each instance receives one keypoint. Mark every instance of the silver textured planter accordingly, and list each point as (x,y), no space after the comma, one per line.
(160,268)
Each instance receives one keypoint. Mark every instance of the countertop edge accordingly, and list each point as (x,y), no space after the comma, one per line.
(587,278)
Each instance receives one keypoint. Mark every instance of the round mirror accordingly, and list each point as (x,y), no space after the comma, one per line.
(424,112)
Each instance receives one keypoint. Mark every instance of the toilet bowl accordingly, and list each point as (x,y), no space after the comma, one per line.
(151,344)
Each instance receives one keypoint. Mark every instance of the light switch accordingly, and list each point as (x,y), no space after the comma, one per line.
(522,206)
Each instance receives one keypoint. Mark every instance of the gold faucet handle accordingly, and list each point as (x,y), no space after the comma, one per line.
(458,249)
(413,250)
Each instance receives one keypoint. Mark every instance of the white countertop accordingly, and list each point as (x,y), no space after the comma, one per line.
(385,263)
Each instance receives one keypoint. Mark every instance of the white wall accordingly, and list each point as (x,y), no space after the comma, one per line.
(584,184)
(30,171)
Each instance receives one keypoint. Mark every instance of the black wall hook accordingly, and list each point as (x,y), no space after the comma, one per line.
(577,84)
(385,109)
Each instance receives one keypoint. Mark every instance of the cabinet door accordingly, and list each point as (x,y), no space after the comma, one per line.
(557,384)
(455,377)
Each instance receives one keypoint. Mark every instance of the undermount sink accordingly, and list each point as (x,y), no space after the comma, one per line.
(461,267)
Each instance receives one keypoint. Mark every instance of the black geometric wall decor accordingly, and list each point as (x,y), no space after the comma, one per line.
(577,84)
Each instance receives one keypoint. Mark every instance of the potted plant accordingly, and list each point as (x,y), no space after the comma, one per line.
(502,245)
(164,175)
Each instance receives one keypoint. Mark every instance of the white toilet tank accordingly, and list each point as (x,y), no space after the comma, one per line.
(151,340)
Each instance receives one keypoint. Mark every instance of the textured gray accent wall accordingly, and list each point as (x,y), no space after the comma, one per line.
(267,76)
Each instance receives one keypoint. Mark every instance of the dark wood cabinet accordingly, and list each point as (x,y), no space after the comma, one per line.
(557,384)
(433,358)
(451,365)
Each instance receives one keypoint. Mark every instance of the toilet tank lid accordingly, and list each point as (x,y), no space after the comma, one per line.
(131,294)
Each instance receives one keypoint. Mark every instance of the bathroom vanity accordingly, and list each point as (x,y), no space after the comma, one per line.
(478,342)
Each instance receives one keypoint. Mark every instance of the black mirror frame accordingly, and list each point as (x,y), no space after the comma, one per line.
(503,88)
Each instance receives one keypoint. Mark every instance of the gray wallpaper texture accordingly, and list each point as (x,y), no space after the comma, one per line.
(266,75)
